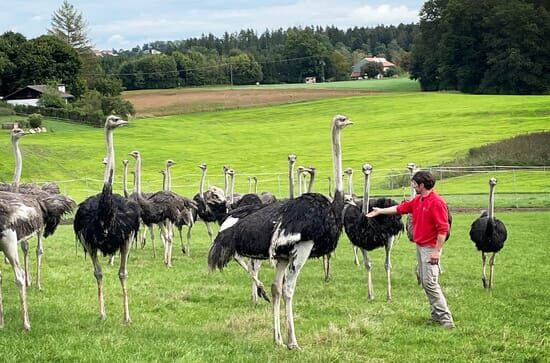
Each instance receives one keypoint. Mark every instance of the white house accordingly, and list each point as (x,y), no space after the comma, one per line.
(30,95)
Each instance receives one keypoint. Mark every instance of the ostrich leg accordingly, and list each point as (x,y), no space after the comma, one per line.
(10,250)
(209,230)
(297,259)
(368,266)
(39,253)
(276,293)
(254,276)
(1,304)
(355,256)
(491,269)
(483,264)
(253,267)
(122,275)
(98,273)
(26,263)
(387,265)
(326,266)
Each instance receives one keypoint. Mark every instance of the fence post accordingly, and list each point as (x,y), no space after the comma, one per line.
(515,189)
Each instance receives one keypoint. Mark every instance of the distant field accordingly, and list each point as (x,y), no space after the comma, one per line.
(390,130)
(149,103)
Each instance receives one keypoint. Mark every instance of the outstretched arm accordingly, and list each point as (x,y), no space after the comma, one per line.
(377,211)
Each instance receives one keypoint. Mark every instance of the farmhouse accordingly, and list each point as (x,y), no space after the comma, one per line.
(356,69)
(30,95)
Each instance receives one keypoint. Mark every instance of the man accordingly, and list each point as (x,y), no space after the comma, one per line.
(430,227)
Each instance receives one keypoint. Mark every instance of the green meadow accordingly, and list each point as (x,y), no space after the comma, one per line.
(186,314)
(390,130)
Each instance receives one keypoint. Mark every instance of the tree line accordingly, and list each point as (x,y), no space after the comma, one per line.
(490,46)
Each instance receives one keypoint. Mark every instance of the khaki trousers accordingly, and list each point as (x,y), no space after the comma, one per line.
(429,275)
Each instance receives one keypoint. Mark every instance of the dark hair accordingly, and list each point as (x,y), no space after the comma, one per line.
(424,177)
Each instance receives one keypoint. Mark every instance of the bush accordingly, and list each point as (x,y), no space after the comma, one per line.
(35,120)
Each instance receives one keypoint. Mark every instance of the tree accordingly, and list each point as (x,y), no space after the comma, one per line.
(372,69)
(69,25)
(244,69)
(51,97)
(305,49)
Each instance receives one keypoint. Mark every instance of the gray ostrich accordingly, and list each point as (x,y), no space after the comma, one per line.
(488,235)
(46,191)
(288,233)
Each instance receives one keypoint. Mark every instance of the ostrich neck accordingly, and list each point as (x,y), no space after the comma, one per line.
(225,183)
(290,180)
(299,182)
(311,180)
(18,165)
(168,179)
(110,156)
(201,185)
(232,198)
(337,161)
(164,181)
(491,202)
(366,196)
(350,185)
(413,192)
(255,186)
(125,179)
(138,175)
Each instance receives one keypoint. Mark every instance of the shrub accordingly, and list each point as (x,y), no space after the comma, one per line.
(35,120)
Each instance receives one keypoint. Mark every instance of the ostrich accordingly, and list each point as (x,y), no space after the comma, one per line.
(265,197)
(288,233)
(233,197)
(349,174)
(108,222)
(371,233)
(489,235)
(47,190)
(211,205)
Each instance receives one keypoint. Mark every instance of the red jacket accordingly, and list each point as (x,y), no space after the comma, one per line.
(429,215)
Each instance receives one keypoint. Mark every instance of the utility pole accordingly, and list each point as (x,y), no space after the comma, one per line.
(231,74)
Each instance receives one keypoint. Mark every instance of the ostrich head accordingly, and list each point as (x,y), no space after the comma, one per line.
(17,133)
(231,172)
(113,122)
(225,169)
(348,199)
(300,169)
(340,121)
(348,171)
(367,169)
(292,158)
(411,167)
(492,182)
(135,154)
(104,161)
(170,163)
(255,179)
(203,166)
(125,162)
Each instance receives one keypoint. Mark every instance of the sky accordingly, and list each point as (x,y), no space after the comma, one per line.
(124,24)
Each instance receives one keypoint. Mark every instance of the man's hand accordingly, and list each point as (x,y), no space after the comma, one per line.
(434,257)
(374,212)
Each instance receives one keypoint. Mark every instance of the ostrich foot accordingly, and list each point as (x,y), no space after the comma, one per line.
(293,346)
(183,250)
(262,293)
(484,281)
(102,317)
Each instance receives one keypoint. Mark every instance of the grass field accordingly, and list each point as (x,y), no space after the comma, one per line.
(186,314)
(389,131)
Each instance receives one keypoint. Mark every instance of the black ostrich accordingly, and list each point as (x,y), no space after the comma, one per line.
(288,233)
(48,190)
(108,223)
(371,233)
(489,235)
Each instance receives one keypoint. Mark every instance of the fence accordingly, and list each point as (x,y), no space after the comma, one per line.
(462,186)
